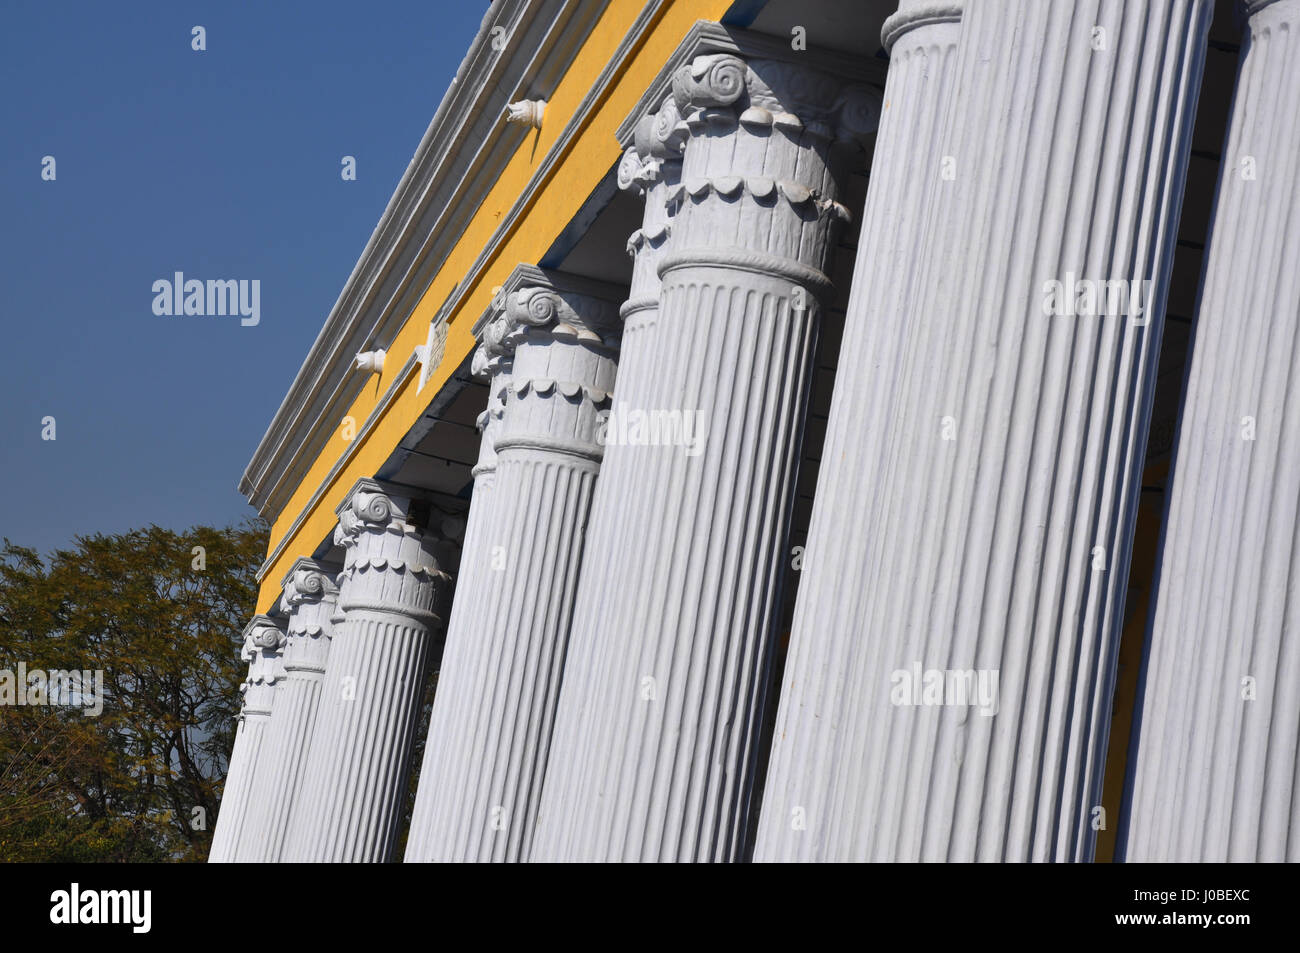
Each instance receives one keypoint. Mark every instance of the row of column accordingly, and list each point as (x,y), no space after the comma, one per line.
(976,503)
(322,751)
(610,648)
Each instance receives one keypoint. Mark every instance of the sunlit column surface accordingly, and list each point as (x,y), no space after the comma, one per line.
(1215,774)
(980,477)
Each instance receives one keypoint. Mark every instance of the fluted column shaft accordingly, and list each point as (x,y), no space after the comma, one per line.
(354,787)
(309,596)
(949,679)
(655,738)
(1215,775)
(499,682)
(264,642)
(905,182)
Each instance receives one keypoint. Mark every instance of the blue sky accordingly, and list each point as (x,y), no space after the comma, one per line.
(219,164)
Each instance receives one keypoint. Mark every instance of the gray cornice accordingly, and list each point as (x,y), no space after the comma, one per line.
(440,191)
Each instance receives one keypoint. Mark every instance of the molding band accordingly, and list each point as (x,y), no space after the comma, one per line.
(576,448)
(760,263)
(919,14)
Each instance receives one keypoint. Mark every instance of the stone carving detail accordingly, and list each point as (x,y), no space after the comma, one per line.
(378,540)
(768,97)
(542,308)
(776,138)
(526,112)
(771,93)
(711,81)
(430,353)
(549,386)
(307,584)
(531,310)
(492,368)
(761,187)
(659,139)
(310,593)
(370,362)
(652,165)
(561,345)
(264,641)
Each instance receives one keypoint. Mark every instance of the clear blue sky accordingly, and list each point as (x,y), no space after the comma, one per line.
(218,164)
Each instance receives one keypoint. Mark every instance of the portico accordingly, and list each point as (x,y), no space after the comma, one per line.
(736,372)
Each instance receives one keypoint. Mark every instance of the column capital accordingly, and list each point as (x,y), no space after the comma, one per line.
(490,364)
(567,306)
(310,596)
(263,650)
(308,581)
(563,315)
(775,93)
(492,356)
(769,133)
(707,38)
(263,641)
(768,71)
(658,138)
(489,421)
(652,165)
(913,14)
(390,562)
(562,333)
(373,506)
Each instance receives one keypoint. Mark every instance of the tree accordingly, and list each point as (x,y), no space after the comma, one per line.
(160,615)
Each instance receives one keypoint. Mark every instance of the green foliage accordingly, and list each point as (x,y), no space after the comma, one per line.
(124,786)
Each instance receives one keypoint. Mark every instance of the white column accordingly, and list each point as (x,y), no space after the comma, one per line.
(354,788)
(1215,776)
(921,39)
(982,465)
(654,746)
(500,675)
(263,649)
(309,596)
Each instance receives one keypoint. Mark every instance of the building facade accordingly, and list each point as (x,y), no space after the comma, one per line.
(819,430)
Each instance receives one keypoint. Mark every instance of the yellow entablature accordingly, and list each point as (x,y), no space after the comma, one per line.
(540,188)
